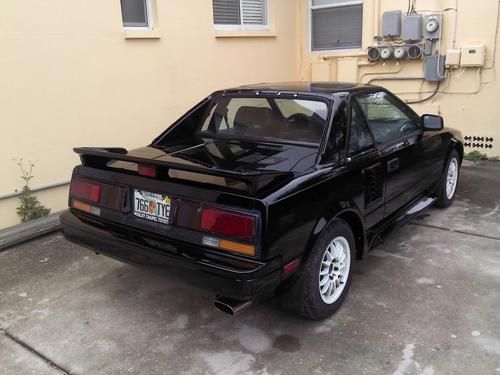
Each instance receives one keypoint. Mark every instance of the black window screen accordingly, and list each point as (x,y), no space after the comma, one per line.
(135,13)
(337,27)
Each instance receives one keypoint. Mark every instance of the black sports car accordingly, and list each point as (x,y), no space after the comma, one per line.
(267,189)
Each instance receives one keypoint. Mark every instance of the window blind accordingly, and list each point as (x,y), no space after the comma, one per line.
(254,12)
(239,12)
(134,13)
(226,12)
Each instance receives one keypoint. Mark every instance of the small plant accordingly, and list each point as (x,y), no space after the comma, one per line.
(475,156)
(30,207)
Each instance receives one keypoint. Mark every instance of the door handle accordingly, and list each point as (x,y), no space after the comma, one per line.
(393,165)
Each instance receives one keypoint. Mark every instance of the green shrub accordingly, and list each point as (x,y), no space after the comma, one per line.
(475,156)
(30,207)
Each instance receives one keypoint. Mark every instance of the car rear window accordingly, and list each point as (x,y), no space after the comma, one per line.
(266,117)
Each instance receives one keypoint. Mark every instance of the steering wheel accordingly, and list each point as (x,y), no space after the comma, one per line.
(296,120)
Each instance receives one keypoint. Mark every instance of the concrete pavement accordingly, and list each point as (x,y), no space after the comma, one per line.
(425,302)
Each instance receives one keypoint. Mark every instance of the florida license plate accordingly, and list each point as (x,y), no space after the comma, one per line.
(152,206)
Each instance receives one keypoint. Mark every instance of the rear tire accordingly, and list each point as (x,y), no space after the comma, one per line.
(326,275)
(449,180)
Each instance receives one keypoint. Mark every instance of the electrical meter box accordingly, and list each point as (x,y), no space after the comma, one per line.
(472,55)
(432,26)
(391,23)
(453,58)
(412,27)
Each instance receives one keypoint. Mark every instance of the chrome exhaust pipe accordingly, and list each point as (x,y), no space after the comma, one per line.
(231,306)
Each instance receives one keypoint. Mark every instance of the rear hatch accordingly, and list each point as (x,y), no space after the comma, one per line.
(203,192)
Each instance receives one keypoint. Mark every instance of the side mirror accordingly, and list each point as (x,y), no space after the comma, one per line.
(432,122)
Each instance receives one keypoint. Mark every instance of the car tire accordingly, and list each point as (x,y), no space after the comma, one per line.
(326,275)
(449,180)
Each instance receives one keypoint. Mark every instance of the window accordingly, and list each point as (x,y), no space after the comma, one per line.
(336,24)
(283,119)
(240,14)
(336,144)
(386,120)
(360,138)
(136,13)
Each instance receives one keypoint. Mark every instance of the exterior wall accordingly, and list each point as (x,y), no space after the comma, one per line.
(72,77)
(470,101)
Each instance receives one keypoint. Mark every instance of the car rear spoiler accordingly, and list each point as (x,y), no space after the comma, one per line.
(100,157)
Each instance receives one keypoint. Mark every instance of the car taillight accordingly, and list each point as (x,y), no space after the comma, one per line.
(229,224)
(85,190)
(146,170)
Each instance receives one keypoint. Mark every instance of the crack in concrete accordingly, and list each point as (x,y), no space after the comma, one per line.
(35,352)
(457,231)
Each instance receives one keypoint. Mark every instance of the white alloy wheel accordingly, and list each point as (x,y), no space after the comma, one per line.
(334,270)
(451,178)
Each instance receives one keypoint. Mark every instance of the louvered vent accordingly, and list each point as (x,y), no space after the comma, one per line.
(374,184)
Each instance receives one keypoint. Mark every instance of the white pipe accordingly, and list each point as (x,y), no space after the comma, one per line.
(376,21)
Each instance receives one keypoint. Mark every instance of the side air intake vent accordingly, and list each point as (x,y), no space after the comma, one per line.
(374,187)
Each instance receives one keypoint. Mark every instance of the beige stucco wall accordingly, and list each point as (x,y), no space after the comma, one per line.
(471,99)
(69,77)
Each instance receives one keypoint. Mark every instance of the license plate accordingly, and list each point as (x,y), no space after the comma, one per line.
(152,206)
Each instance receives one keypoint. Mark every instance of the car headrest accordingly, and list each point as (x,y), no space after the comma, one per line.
(252,120)
(297,127)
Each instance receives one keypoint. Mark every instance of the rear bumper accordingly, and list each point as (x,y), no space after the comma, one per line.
(225,275)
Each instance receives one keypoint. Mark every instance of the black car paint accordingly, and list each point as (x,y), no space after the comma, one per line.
(296,192)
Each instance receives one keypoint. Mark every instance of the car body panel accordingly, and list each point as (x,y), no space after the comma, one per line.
(290,187)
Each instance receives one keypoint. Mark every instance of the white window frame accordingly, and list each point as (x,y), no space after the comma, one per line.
(338,5)
(244,27)
(149,13)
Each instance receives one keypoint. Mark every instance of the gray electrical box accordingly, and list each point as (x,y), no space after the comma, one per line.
(391,23)
(412,28)
(435,68)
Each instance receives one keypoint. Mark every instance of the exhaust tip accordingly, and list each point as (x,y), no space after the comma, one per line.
(231,306)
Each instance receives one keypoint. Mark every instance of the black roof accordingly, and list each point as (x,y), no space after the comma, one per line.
(306,87)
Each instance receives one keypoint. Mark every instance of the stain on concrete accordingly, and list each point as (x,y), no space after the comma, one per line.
(254,339)
(287,343)
(228,362)
(180,322)
(489,344)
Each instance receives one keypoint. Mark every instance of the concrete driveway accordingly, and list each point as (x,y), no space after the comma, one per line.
(426,302)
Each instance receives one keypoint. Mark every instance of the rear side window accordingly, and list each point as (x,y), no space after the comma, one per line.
(387,121)
(266,117)
(360,138)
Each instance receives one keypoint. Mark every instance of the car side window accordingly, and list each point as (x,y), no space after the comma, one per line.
(385,119)
(337,140)
(360,138)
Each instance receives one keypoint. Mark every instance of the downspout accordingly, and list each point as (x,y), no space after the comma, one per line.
(376,20)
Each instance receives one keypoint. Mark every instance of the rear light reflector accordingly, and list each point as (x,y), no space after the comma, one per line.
(237,247)
(146,170)
(85,190)
(230,224)
(85,207)
(292,266)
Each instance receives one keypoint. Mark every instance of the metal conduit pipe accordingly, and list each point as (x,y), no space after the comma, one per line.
(41,188)
(395,78)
